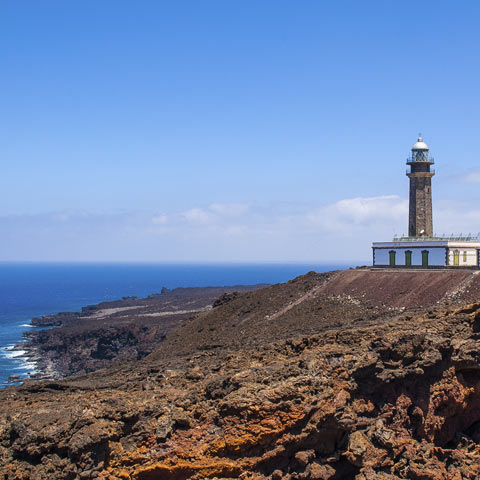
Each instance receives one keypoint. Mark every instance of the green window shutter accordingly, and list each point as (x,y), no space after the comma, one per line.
(392,258)
(424,258)
(408,258)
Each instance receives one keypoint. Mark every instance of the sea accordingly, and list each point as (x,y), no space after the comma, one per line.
(30,290)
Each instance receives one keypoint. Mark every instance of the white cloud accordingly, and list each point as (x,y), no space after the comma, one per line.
(213,214)
(197,216)
(229,209)
(456,217)
(342,230)
(160,219)
(361,211)
(66,215)
(473,176)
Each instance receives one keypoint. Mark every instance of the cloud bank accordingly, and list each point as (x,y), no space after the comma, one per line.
(336,232)
(473,176)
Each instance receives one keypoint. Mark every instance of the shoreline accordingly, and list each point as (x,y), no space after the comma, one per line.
(32,290)
(29,362)
(65,344)
(31,357)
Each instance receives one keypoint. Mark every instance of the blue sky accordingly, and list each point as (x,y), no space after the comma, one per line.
(231,130)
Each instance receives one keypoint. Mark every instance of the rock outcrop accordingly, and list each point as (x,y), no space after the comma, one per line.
(116,331)
(294,381)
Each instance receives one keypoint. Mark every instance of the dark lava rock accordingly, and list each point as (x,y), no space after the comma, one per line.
(318,378)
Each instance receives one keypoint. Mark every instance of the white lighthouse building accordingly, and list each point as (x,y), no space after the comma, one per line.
(421,248)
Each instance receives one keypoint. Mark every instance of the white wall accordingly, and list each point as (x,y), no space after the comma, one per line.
(436,256)
(471,257)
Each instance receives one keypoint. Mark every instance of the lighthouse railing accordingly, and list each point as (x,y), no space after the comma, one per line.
(459,238)
(432,170)
(428,159)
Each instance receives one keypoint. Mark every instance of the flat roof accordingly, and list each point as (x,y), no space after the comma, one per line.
(429,243)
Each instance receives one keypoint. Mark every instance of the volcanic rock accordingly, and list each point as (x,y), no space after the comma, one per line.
(120,330)
(304,380)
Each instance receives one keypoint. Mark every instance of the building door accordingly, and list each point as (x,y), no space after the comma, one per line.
(408,258)
(425,258)
(456,257)
(392,258)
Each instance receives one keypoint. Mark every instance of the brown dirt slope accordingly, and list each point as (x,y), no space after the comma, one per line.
(407,289)
(317,302)
(337,386)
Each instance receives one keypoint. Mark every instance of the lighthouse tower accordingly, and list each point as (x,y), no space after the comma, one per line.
(421,249)
(420,222)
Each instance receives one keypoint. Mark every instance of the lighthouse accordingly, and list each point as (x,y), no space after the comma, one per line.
(420,223)
(422,249)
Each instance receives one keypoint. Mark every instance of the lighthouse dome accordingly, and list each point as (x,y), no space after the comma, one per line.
(420,144)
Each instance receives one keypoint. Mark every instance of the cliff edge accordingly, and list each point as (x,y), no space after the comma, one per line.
(346,375)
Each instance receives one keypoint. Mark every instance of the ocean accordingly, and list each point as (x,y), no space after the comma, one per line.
(30,290)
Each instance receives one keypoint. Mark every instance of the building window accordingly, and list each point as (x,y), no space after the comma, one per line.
(392,258)
(464,256)
(408,258)
(456,257)
(425,258)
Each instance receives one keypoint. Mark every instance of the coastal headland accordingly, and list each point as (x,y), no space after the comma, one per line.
(356,374)
(120,330)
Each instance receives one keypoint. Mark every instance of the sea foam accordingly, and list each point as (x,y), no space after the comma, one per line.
(14,353)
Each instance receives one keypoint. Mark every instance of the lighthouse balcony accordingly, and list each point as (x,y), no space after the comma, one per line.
(421,173)
(420,159)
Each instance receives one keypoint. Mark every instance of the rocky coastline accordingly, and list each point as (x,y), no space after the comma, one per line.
(355,375)
(73,343)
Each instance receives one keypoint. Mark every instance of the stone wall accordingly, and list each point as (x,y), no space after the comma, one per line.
(420,207)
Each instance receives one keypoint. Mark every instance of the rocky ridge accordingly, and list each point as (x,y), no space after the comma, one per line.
(305,380)
(115,331)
